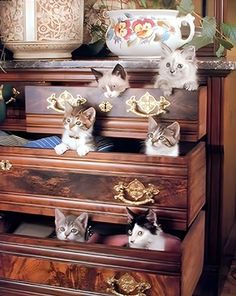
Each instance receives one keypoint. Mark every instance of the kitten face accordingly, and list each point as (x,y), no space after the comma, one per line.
(71,227)
(112,83)
(142,227)
(160,135)
(76,120)
(177,64)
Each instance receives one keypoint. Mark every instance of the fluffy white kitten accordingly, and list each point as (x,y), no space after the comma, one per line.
(78,128)
(178,69)
(112,82)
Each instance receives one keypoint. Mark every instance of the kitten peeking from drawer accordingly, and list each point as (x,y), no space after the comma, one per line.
(177,69)
(112,83)
(162,140)
(78,129)
(72,228)
(145,233)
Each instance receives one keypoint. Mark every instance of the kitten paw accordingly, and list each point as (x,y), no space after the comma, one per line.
(191,85)
(167,92)
(85,150)
(61,148)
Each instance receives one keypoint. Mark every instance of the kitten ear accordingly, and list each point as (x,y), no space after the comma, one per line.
(59,217)
(189,53)
(166,50)
(90,113)
(175,127)
(83,219)
(119,71)
(97,74)
(152,124)
(151,216)
(130,215)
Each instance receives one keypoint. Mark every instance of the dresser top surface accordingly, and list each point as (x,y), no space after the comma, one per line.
(212,63)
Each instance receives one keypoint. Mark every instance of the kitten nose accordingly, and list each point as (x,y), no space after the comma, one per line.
(172,71)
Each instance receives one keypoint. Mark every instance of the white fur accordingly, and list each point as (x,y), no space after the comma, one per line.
(147,240)
(76,144)
(173,76)
(159,149)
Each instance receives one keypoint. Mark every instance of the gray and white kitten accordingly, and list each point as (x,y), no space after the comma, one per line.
(162,139)
(113,82)
(78,129)
(70,227)
(177,69)
(145,233)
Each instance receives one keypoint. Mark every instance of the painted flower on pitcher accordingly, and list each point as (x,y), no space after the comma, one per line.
(122,29)
(143,28)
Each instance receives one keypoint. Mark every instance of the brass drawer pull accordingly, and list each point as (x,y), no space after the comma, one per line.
(58,103)
(127,284)
(5,165)
(136,191)
(147,105)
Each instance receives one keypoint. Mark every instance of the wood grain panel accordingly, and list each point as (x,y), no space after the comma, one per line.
(188,108)
(45,181)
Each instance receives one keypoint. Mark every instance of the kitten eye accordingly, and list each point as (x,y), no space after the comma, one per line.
(180,66)
(162,138)
(68,120)
(140,233)
(78,122)
(167,65)
(129,232)
(74,230)
(150,135)
(62,229)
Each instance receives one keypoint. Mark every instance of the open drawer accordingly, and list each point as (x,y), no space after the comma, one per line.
(52,267)
(125,116)
(104,183)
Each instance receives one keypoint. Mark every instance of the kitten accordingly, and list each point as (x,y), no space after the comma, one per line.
(178,69)
(112,83)
(71,227)
(78,128)
(162,139)
(145,233)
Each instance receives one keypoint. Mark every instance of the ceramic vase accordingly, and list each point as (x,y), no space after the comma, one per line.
(41,28)
(138,33)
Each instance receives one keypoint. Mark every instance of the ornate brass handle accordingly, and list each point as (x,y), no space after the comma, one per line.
(147,105)
(137,192)
(5,165)
(58,103)
(127,284)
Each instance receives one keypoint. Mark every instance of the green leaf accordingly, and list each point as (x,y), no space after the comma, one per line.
(229,31)
(226,44)
(208,27)
(185,6)
(220,51)
(200,41)
(144,3)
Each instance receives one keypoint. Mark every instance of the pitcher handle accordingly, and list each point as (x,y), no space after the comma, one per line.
(190,20)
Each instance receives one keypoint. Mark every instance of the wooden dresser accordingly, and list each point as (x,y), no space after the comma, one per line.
(182,190)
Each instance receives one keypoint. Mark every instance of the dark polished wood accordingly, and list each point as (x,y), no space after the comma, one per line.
(88,183)
(87,267)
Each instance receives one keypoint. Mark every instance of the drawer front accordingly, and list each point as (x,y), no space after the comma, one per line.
(105,271)
(174,187)
(83,278)
(125,116)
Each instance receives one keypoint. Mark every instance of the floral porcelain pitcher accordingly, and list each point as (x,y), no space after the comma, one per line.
(139,33)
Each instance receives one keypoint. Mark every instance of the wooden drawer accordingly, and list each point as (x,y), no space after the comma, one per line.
(52,267)
(126,118)
(104,184)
